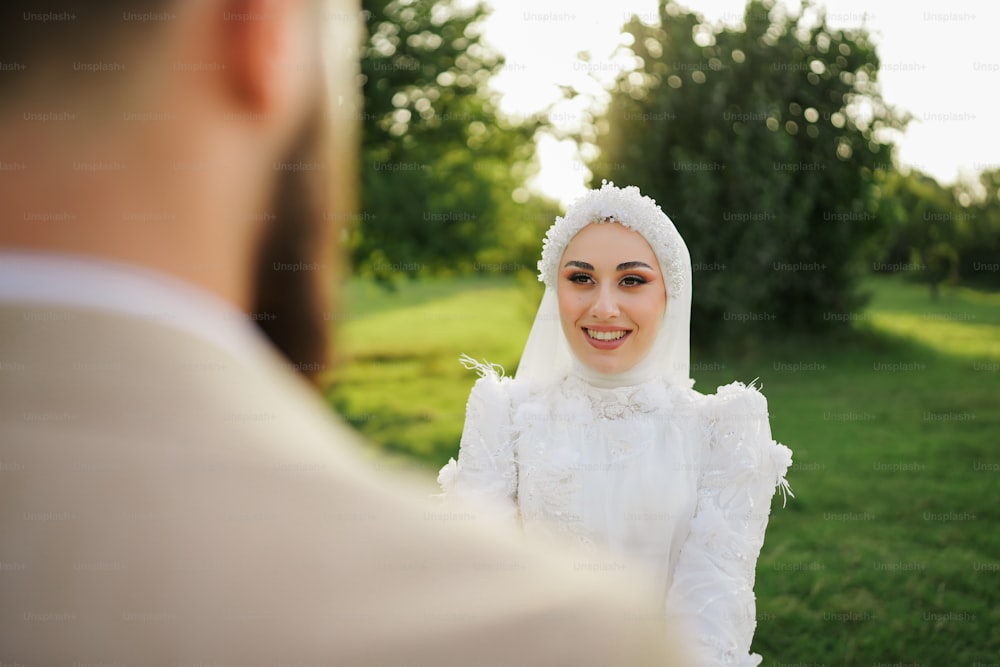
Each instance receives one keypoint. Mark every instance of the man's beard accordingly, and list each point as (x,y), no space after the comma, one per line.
(299,257)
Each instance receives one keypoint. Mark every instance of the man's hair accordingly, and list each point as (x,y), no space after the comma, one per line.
(43,40)
(47,42)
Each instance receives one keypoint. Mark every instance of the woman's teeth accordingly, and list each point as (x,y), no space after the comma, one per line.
(605,335)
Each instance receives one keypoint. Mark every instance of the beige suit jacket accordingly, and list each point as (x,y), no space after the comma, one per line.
(164,502)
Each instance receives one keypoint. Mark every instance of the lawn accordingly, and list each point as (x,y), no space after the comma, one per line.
(890,551)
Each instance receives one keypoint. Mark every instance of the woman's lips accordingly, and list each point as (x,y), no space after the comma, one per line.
(606,338)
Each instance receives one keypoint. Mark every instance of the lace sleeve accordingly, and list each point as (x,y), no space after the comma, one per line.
(712,591)
(485,476)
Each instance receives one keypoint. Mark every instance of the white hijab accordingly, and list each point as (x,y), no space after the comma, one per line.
(547,356)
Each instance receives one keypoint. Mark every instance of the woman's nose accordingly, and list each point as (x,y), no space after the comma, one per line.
(605,305)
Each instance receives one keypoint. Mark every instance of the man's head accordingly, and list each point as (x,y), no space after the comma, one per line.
(213,140)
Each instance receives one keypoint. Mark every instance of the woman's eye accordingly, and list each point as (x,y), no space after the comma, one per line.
(633,281)
(580,278)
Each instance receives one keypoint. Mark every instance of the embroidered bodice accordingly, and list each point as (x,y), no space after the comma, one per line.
(670,481)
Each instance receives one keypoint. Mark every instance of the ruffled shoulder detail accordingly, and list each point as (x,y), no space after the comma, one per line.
(496,387)
(736,420)
(712,591)
(484,368)
(485,474)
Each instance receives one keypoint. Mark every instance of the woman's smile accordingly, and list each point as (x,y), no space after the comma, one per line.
(606,338)
(611,297)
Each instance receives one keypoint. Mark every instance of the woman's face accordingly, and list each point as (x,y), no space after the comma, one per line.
(611,296)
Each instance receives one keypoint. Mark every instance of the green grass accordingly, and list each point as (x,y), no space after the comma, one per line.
(890,551)
(402,383)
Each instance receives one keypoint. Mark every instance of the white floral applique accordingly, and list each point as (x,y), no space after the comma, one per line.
(628,207)
(549,482)
(485,474)
(616,403)
(713,586)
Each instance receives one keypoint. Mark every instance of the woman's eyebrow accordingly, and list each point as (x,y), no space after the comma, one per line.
(624,266)
(579,265)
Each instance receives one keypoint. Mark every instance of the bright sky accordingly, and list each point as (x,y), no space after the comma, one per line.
(940,62)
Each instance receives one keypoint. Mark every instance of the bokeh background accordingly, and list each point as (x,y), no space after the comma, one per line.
(846,252)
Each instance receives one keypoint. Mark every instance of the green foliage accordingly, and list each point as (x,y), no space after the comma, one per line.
(925,226)
(401,383)
(887,553)
(439,165)
(761,145)
(980,255)
(937,233)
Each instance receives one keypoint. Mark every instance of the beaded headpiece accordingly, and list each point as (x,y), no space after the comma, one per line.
(627,207)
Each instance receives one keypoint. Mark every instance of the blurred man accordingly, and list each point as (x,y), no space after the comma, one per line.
(172,489)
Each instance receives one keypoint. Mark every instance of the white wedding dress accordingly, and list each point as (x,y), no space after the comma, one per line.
(634,465)
(668,480)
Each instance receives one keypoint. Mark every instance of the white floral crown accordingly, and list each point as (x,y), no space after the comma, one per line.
(629,208)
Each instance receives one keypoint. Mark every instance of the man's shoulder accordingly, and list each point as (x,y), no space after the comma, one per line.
(201,481)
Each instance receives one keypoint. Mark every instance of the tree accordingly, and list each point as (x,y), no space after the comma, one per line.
(936,233)
(980,261)
(925,231)
(761,144)
(440,165)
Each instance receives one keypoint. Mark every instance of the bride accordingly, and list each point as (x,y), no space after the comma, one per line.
(600,439)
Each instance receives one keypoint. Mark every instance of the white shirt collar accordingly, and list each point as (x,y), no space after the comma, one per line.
(129,290)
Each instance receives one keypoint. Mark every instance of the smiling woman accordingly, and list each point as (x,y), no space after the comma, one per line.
(600,440)
(611,305)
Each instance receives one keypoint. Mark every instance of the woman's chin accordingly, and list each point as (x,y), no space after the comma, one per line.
(607,364)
